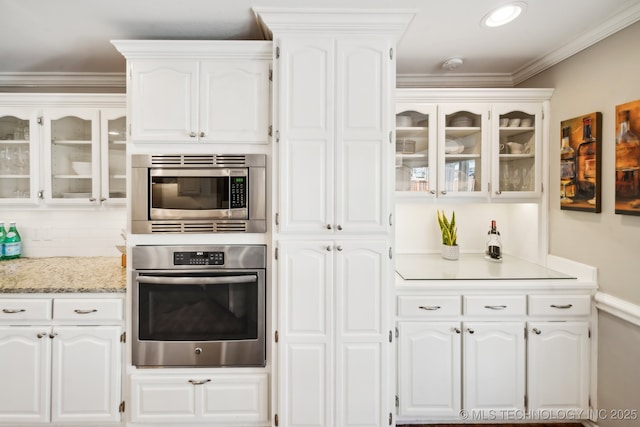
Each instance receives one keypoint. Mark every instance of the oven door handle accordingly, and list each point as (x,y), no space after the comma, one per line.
(216,280)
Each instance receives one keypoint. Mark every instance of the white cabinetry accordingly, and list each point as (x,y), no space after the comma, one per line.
(45,134)
(495,355)
(334,87)
(482,144)
(197,91)
(334,135)
(493,366)
(60,369)
(333,334)
(213,397)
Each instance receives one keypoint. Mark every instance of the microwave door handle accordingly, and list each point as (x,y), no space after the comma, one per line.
(217,280)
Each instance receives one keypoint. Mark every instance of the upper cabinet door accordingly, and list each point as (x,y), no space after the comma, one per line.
(335,138)
(306,128)
(363,135)
(234,101)
(18,156)
(72,156)
(516,150)
(416,149)
(113,123)
(164,100)
(463,163)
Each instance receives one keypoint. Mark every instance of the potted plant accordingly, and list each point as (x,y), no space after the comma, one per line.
(450,249)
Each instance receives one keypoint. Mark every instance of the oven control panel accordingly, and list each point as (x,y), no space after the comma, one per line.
(198,258)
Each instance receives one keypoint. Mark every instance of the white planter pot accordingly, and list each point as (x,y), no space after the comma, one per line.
(450,252)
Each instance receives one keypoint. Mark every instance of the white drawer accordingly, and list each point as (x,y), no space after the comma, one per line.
(25,309)
(429,306)
(87,309)
(559,305)
(495,305)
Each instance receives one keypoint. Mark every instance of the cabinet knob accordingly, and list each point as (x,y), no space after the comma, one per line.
(498,192)
(456,330)
(198,350)
(471,331)
(192,134)
(432,191)
(339,248)
(443,192)
(201,134)
(92,199)
(42,335)
(328,226)
(328,248)
(103,199)
(53,335)
(537,331)
(339,227)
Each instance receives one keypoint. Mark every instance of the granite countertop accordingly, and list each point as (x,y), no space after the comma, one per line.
(63,275)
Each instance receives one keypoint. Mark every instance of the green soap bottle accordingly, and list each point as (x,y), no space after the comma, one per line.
(12,242)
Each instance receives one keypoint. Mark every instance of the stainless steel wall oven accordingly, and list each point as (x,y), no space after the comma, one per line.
(209,193)
(198,306)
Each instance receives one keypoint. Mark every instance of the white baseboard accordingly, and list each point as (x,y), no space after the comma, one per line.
(618,307)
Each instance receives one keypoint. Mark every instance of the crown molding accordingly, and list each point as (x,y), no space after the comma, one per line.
(617,23)
(195,49)
(621,20)
(453,80)
(381,22)
(63,80)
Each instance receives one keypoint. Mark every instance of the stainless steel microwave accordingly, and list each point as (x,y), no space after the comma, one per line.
(210,193)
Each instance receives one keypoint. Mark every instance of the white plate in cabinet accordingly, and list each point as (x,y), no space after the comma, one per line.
(87,309)
(429,306)
(495,305)
(25,309)
(559,305)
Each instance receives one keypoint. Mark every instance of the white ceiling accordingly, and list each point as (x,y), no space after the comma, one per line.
(55,39)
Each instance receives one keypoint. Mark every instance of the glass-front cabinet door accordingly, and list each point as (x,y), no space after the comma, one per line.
(416,149)
(517,151)
(463,166)
(72,168)
(18,156)
(113,143)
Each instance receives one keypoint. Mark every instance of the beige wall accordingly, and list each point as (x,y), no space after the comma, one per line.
(598,79)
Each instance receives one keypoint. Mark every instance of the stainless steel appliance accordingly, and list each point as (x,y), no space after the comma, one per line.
(211,193)
(197,306)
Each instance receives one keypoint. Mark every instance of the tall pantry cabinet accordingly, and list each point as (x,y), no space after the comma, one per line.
(334,83)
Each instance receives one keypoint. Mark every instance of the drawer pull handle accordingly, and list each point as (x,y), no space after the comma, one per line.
(495,307)
(562,306)
(13,310)
(199,382)
(429,307)
(537,331)
(78,311)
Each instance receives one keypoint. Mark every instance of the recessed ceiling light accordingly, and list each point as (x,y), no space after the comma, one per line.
(504,14)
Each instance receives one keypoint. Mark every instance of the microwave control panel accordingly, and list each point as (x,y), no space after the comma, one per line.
(238,189)
(198,258)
